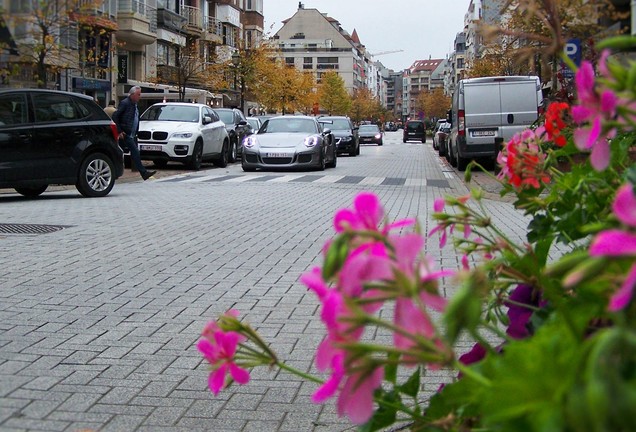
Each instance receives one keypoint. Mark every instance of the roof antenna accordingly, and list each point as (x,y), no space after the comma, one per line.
(300,5)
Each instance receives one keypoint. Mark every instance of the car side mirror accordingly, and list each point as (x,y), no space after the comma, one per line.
(242,123)
(207,119)
(326,131)
(355,128)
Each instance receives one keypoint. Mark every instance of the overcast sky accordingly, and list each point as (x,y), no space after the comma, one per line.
(422,28)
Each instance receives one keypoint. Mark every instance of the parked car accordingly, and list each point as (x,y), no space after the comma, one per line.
(290,142)
(345,133)
(237,128)
(370,134)
(439,138)
(52,137)
(255,123)
(485,110)
(414,130)
(182,132)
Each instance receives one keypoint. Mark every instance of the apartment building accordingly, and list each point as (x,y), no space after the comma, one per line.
(422,76)
(315,42)
(102,48)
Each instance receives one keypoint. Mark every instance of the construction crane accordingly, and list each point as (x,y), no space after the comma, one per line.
(385,52)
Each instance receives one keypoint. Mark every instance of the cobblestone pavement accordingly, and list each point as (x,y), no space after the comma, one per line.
(99,317)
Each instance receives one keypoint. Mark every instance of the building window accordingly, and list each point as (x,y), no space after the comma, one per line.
(166,55)
(460,63)
(327,63)
(308,63)
(289,61)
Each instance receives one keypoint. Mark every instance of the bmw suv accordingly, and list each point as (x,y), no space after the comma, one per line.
(52,137)
(345,134)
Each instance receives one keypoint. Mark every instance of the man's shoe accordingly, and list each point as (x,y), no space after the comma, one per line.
(148,174)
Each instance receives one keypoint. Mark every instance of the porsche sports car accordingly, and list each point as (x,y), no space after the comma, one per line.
(290,142)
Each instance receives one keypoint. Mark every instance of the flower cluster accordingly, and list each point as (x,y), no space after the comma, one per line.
(554,329)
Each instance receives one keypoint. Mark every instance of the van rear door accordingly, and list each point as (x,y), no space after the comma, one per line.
(519,105)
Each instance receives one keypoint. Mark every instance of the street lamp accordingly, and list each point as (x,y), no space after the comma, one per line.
(236,61)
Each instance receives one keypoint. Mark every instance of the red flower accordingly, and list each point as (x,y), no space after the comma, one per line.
(554,122)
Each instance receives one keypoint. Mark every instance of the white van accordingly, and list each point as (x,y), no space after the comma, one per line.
(487,110)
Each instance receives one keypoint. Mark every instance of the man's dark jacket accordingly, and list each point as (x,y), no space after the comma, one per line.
(124,117)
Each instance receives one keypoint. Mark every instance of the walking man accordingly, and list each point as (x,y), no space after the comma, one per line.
(127,120)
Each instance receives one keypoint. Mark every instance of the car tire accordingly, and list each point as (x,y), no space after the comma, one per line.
(221,161)
(334,161)
(403,140)
(233,152)
(197,156)
(440,150)
(357,150)
(31,192)
(462,163)
(321,163)
(451,157)
(96,176)
(423,140)
(161,163)
(248,169)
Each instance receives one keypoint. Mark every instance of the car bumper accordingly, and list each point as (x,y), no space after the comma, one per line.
(345,146)
(370,140)
(178,151)
(269,159)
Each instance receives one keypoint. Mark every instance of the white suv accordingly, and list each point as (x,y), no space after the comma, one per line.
(182,132)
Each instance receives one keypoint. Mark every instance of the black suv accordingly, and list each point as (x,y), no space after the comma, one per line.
(344,132)
(237,128)
(54,137)
(414,130)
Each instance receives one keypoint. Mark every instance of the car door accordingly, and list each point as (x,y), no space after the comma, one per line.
(58,132)
(16,135)
(216,129)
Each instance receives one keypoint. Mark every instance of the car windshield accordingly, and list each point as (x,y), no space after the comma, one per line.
(253,123)
(415,126)
(338,124)
(178,113)
(293,125)
(369,129)
(226,117)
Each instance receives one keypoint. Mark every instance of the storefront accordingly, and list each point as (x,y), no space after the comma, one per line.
(152,93)
(99,89)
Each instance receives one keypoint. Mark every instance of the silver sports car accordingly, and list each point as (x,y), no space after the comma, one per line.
(289,142)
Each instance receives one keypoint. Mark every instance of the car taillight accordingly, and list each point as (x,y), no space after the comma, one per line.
(113,128)
(461,124)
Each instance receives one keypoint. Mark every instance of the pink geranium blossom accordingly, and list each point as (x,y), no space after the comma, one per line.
(219,349)
(618,243)
(594,107)
(367,214)
(356,397)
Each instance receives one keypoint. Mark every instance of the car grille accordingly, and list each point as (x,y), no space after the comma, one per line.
(156,136)
(277,161)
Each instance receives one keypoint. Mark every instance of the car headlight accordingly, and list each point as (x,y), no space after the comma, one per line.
(182,135)
(249,141)
(311,141)
(378,136)
(346,139)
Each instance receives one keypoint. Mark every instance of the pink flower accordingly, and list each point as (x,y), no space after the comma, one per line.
(593,109)
(330,387)
(356,397)
(367,214)
(219,350)
(617,243)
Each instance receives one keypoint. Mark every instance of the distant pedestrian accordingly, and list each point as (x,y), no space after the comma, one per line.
(110,109)
(126,117)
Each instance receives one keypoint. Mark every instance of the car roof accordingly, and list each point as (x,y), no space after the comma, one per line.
(35,90)
(179,104)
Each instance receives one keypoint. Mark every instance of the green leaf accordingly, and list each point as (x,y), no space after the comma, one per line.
(412,386)
(386,413)
(390,370)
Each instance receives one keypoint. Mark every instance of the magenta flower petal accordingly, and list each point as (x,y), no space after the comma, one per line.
(434,301)
(623,296)
(207,349)
(613,243)
(345,218)
(330,387)
(624,205)
(216,381)
(314,281)
(581,114)
(438,205)
(600,156)
(240,375)
(356,397)
(609,100)
(369,209)
(584,79)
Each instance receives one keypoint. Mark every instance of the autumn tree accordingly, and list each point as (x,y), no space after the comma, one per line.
(365,106)
(434,103)
(539,29)
(332,94)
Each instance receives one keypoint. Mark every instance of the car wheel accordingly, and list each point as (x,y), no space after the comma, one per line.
(403,140)
(380,143)
(161,163)
(440,149)
(334,160)
(423,140)
(197,156)
(451,157)
(248,169)
(462,163)
(358,150)
(221,161)
(31,192)
(95,176)
(232,157)
(321,162)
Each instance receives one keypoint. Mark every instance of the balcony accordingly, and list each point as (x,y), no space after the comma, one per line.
(213,29)
(170,20)
(194,20)
(137,23)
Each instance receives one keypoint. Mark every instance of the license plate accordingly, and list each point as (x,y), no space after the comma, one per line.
(278,155)
(484,133)
(150,147)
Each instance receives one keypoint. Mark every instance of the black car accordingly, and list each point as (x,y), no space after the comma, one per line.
(237,129)
(370,134)
(53,137)
(345,134)
(414,130)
